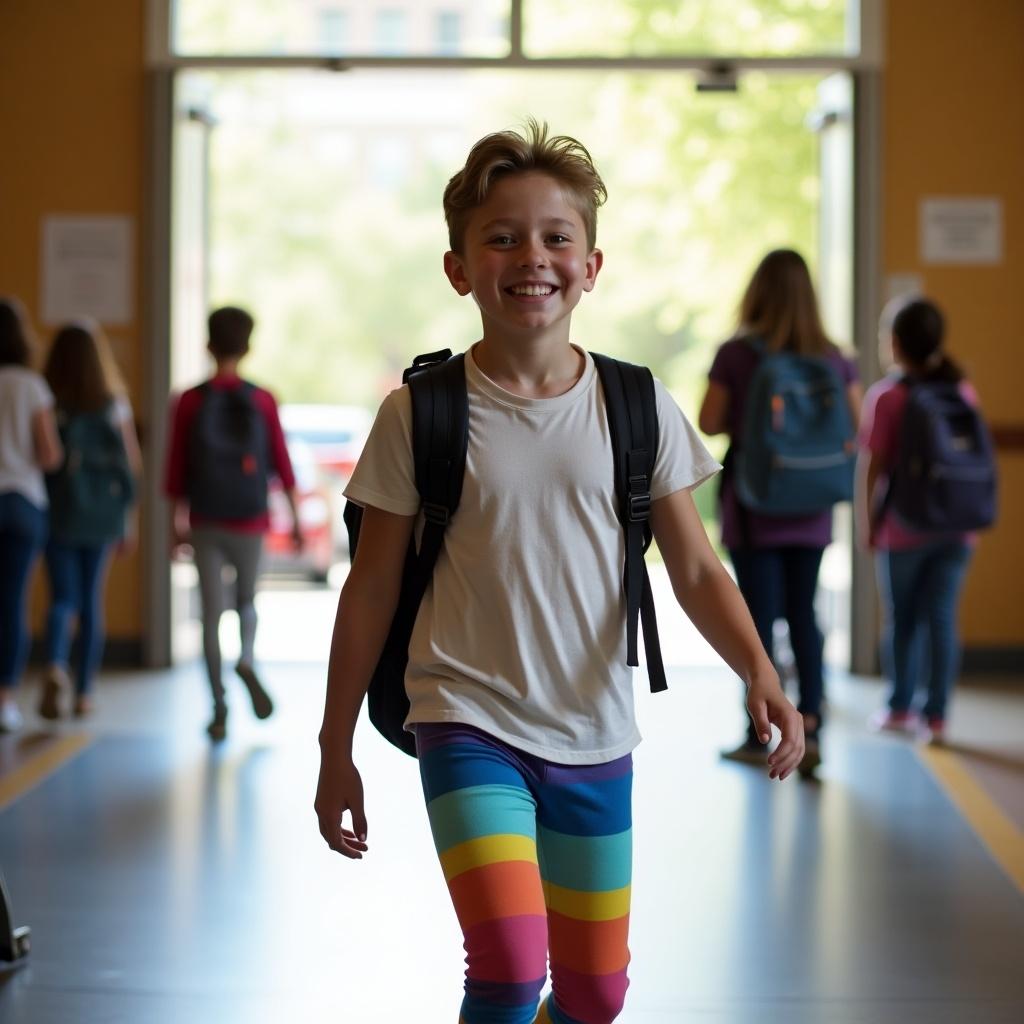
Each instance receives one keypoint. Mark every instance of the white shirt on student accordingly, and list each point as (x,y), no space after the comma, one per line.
(522,632)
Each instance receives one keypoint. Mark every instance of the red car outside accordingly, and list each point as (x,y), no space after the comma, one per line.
(317,520)
(334,433)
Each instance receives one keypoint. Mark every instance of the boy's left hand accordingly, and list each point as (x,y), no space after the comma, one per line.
(768,706)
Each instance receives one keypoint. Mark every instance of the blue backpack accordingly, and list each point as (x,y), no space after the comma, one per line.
(92,491)
(944,477)
(796,451)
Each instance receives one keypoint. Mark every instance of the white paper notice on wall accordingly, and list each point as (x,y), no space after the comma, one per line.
(87,269)
(961,230)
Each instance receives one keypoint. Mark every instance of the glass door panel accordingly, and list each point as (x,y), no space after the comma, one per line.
(325,218)
(190,249)
(668,28)
(369,28)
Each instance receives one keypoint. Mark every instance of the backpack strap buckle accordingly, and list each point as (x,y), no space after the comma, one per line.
(638,500)
(436,514)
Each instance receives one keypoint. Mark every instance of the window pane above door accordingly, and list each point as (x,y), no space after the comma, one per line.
(671,28)
(340,28)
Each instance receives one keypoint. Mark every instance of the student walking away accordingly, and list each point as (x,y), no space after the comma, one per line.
(29,445)
(788,401)
(225,443)
(520,695)
(926,484)
(92,508)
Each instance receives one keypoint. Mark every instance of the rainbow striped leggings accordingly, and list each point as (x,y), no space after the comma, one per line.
(537,857)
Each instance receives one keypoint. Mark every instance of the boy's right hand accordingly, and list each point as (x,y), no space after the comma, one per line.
(768,705)
(340,789)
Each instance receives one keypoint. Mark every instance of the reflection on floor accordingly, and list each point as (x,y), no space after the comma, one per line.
(165,882)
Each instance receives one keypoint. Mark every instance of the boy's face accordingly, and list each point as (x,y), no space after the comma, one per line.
(524,256)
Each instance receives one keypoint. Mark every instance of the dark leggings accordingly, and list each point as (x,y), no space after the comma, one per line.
(780,583)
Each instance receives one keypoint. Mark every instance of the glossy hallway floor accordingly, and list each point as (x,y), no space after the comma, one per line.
(165,882)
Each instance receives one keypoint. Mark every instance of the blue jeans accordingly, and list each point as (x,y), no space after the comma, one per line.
(920,590)
(780,583)
(22,534)
(76,589)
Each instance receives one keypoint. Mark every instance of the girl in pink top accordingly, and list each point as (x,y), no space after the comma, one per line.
(920,574)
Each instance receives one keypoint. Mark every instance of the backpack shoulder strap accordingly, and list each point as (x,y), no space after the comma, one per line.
(632,409)
(440,436)
(440,420)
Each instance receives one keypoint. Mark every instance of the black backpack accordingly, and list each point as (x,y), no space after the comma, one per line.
(944,477)
(440,419)
(228,455)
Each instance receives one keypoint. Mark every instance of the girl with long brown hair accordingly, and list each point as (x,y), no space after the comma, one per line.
(91,502)
(776,557)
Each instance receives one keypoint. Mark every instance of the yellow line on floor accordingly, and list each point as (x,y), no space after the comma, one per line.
(1002,837)
(18,782)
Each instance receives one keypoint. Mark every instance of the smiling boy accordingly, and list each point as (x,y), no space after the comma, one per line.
(521,699)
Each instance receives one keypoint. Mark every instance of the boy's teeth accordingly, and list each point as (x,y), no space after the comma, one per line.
(532,289)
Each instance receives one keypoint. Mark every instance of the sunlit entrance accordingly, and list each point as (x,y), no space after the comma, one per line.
(313,198)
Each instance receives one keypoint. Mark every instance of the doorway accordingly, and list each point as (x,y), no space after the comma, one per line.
(313,198)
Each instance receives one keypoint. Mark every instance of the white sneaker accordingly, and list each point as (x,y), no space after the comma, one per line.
(10,717)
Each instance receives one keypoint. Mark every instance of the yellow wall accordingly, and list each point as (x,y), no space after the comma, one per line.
(953,100)
(71,141)
(71,104)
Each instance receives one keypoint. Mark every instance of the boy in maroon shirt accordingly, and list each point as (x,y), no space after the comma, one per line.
(225,443)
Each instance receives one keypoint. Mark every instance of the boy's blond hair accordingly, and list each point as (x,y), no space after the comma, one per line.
(503,153)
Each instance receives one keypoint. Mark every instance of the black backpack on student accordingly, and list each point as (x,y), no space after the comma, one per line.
(228,455)
(440,419)
(944,477)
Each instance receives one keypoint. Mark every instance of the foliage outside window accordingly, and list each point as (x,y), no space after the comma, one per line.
(327,222)
(656,28)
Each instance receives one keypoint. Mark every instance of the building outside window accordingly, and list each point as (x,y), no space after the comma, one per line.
(449,33)
(391,25)
(332,30)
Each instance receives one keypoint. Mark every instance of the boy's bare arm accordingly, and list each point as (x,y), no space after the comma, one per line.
(365,610)
(711,600)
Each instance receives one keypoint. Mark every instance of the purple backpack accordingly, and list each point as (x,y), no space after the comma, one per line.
(944,478)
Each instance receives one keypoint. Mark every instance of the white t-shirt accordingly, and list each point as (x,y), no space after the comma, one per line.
(522,632)
(23,393)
